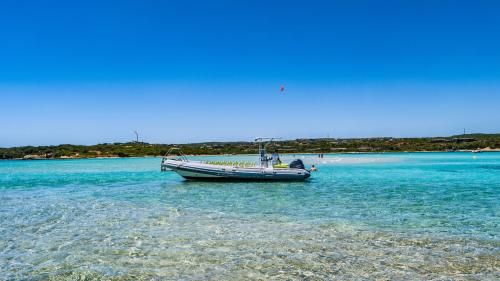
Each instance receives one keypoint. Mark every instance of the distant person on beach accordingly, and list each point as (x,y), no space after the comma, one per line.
(276,158)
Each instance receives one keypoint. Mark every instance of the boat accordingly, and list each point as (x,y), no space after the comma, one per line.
(263,170)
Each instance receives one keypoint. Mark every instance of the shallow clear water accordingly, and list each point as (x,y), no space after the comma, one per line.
(377,216)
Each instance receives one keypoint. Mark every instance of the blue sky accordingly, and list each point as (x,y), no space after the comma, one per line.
(88,72)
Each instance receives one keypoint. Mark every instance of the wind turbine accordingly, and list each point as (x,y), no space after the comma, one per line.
(136,136)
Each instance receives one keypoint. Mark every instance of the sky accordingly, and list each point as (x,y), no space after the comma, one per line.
(86,72)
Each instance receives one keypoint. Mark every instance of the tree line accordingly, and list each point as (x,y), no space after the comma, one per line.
(321,145)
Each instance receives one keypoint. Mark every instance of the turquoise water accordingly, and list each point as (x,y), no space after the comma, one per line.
(361,216)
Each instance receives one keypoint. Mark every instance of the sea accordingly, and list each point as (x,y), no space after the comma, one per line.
(387,216)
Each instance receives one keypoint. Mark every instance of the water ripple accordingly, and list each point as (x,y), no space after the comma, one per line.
(412,219)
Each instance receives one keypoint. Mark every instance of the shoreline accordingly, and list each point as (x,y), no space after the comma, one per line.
(287,153)
(468,143)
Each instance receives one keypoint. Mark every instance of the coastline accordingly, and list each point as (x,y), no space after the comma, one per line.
(467,143)
(37,157)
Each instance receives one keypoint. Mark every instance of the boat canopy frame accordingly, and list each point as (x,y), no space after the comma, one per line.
(263,142)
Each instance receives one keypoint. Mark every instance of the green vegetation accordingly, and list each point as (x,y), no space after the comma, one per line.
(326,145)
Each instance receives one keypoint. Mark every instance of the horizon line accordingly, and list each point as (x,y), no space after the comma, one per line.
(246,141)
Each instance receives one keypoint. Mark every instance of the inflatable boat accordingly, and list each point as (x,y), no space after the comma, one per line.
(235,171)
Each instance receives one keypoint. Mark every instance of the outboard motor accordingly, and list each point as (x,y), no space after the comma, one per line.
(297,164)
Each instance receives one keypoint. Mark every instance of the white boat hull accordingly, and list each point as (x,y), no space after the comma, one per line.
(202,171)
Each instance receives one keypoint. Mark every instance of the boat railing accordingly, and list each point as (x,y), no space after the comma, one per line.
(175,153)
